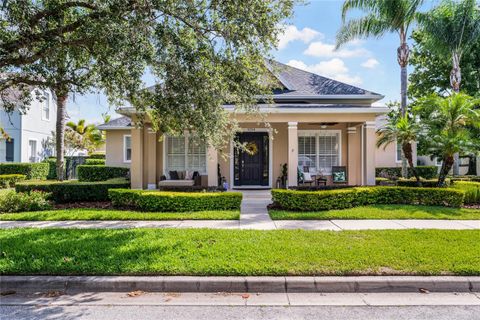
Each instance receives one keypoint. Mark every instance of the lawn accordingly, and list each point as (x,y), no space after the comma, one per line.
(381,212)
(103,214)
(238,252)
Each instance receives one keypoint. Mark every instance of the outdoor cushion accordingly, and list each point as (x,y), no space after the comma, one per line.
(179,183)
(173,175)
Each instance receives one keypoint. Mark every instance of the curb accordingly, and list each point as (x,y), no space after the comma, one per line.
(240,284)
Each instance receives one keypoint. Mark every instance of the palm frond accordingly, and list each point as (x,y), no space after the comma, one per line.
(371,6)
(369,26)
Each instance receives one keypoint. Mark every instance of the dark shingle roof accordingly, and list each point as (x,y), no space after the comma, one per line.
(302,83)
(119,123)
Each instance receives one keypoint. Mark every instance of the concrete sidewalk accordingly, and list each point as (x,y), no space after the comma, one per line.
(253,222)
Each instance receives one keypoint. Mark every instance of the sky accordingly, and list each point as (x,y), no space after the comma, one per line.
(307,43)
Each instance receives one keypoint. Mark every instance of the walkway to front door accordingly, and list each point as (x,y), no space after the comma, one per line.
(254,213)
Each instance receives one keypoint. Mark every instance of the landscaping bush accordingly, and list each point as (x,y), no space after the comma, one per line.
(190,189)
(426,172)
(316,188)
(74,191)
(101,172)
(92,162)
(161,201)
(52,168)
(38,171)
(361,196)
(471,189)
(383,181)
(97,155)
(431,183)
(466,178)
(9,180)
(12,201)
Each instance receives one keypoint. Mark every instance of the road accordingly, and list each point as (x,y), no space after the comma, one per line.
(212,306)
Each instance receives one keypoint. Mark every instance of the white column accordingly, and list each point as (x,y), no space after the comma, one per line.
(136,166)
(292,154)
(370,148)
(353,156)
(151,159)
(212,166)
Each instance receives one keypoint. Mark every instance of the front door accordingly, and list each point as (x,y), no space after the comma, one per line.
(251,165)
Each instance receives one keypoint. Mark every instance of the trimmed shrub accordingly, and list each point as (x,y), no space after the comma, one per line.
(471,189)
(360,196)
(432,183)
(52,168)
(384,182)
(9,180)
(160,201)
(73,191)
(97,155)
(466,178)
(101,172)
(19,202)
(426,172)
(190,189)
(92,162)
(316,188)
(37,171)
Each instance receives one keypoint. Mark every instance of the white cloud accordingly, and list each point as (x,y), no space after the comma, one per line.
(370,63)
(326,50)
(292,33)
(334,68)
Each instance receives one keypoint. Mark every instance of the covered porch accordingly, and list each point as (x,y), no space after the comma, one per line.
(313,142)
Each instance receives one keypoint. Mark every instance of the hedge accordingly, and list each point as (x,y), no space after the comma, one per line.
(9,180)
(52,168)
(97,155)
(426,172)
(101,172)
(32,171)
(431,183)
(354,197)
(466,178)
(471,189)
(74,191)
(92,162)
(162,201)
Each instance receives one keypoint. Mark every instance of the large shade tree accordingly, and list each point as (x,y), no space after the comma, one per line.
(382,17)
(201,53)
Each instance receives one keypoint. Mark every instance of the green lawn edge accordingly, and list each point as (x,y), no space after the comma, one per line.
(107,214)
(387,212)
(214,252)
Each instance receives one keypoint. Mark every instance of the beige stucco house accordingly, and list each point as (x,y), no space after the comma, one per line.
(316,124)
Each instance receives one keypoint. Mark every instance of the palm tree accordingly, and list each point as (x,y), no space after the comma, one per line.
(447,127)
(90,136)
(381,17)
(452,27)
(403,130)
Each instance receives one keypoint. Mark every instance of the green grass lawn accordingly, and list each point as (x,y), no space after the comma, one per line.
(103,214)
(239,252)
(381,212)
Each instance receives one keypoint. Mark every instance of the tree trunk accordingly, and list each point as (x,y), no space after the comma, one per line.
(407,151)
(447,164)
(60,135)
(455,80)
(403,53)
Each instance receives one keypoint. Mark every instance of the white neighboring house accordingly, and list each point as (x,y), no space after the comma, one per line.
(29,132)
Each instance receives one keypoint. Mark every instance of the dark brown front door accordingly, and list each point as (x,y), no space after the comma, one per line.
(251,167)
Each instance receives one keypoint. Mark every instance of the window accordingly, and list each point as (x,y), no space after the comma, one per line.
(32,151)
(438,162)
(398,152)
(185,153)
(319,150)
(127,148)
(9,150)
(46,107)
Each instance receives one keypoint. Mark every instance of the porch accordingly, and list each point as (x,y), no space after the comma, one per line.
(313,143)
